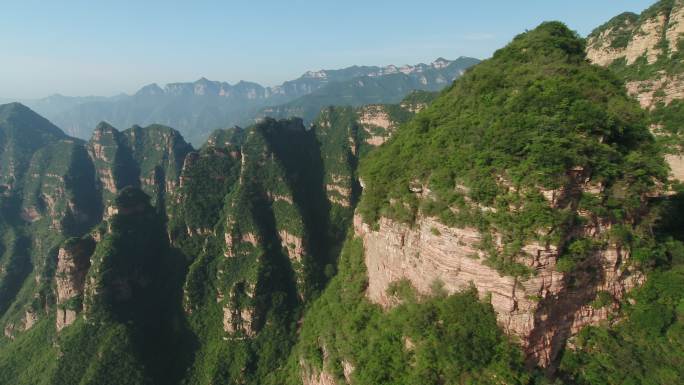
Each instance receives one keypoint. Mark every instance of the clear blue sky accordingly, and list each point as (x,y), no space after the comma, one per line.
(102,47)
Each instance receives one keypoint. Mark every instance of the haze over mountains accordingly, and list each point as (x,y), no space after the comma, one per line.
(199,107)
(523,226)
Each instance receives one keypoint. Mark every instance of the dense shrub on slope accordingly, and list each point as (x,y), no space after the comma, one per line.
(438,340)
(536,117)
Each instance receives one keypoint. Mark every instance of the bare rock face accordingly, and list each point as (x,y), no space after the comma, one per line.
(339,191)
(631,37)
(73,263)
(313,376)
(102,149)
(675,28)
(662,89)
(543,310)
(655,35)
(293,244)
(676,163)
(238,320)
(376,116)
(645,39)
(30,319)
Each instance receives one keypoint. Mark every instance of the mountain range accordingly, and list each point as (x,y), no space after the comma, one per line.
(198,108)
(521,226)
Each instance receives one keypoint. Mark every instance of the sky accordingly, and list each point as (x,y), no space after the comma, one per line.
(103,47)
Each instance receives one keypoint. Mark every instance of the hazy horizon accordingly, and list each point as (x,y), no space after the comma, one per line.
(83,49)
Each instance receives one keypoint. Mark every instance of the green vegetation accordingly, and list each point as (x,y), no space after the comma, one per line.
(668,66)
(244,273)
(22,132)
(257,184)
(437,340)
(668,119)
(30,359)
(420,97)
(621,29)
(646,346)
(535,117)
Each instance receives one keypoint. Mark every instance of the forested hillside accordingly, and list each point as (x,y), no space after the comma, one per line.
(520,226)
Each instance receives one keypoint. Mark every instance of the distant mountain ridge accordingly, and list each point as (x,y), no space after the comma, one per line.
(386,85)
(308,82)
(197,108)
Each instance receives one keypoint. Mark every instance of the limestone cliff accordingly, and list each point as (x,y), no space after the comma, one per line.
(150,158)
(48,195)
(646,51)
(645,40)
(73,262)
(347,134)
(454,198)
(542,310)
(160,152)
(251,215)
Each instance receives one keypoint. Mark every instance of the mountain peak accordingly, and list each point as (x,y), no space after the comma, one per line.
(321,74)
(440,62)
(150,89)
(11,107)
(104,126)
(16,114)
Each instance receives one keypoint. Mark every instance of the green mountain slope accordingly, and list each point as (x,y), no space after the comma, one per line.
(509,229)
(534,119)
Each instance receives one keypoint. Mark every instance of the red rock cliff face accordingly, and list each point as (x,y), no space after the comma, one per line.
(543,310)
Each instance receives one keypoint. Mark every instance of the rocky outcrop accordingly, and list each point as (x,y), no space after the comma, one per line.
(676,163)
(645,41)
(631,37)
(293,244)
(159,154)
(657,31)
(103,148)
(372,118)
(675,29)
(662,89)
(652,34)
(311,376)
(151,158)
(339,192)
(644,50)
(30,319)
(238,318)
(543,310)
(73,263)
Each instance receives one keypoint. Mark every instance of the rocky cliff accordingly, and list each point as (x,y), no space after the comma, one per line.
(56,188)
(543,310)
(646,51)
(150,158)
(49,194)
(251,216)
(494,222)
(536,248)
(347,134)
(73,263)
